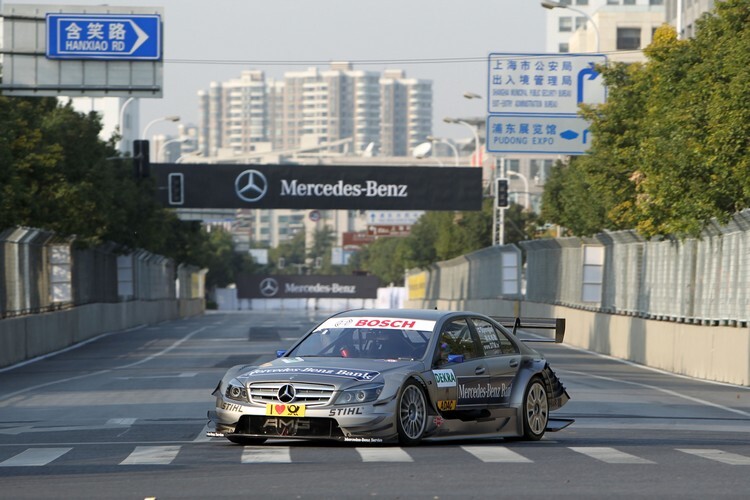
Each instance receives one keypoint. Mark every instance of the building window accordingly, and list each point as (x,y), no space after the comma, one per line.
(563,47)
(581,22)
(613,2)
(628,38)
(513,165)
(566,2)
(566,24)
(582,2)
(628,2)
(656,2)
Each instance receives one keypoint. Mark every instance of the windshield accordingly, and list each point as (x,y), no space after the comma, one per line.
(387,342)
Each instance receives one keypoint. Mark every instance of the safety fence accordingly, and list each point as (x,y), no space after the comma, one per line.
(42,272)
(702,280)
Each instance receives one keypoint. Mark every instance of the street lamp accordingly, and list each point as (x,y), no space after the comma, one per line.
(473,131)
(557,5)
(423,150)
(163,148)
(121,123)
(170,118)
(445,141)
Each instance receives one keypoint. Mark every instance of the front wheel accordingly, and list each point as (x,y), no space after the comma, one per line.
(411,414)
(535,411)
(246,441)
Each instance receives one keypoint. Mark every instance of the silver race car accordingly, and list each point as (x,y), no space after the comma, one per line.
(373,376)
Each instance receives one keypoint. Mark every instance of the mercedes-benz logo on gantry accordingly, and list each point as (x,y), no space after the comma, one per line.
(251,185)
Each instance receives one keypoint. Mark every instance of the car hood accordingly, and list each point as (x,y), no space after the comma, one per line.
(336,371)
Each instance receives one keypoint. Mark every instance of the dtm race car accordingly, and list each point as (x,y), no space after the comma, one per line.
(373,376)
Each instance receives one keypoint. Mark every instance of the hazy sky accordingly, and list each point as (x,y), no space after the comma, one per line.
(450,39)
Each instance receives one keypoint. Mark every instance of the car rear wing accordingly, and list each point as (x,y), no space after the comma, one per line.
(558,324)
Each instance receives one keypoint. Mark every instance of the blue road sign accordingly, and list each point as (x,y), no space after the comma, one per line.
(568,135)
(549,84)
(104,36)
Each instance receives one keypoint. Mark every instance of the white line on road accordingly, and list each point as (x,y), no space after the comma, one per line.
(659,389)
(121,421)
(496,454)
(266,455)
(35,457)
(383,455)
(176,344)
(611,455)
(718,456)
(152,455)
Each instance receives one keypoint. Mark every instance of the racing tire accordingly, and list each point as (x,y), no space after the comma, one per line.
(246,441)
(411,414)
(535,410)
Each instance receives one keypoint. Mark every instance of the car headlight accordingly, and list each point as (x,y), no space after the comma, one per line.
(361,394)
(235,390)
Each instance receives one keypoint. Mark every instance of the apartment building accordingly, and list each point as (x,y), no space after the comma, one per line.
(683,14)
(388,113)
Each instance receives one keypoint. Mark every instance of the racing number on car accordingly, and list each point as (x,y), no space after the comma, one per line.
(285,410)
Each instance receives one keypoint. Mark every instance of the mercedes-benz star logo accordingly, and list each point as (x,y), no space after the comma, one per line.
(269,287)
(251,185)
(286,393)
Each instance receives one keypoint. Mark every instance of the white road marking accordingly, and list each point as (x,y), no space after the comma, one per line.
(34,457)
(718,455)
(121,421)
(152,455)
(610,455)
(266,455)
(5,397)
(384,455)
(496,454)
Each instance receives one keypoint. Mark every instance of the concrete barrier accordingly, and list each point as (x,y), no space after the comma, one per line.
(719,353)
(27,337)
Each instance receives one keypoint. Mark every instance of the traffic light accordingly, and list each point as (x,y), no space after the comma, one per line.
(502,193)
(141,160)
(176,189)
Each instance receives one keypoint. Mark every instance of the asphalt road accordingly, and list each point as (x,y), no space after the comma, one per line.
(123,416)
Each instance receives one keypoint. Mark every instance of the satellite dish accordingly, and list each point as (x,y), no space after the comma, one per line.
(422,151)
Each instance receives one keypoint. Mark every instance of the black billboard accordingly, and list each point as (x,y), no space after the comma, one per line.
(255,286)
(318,187)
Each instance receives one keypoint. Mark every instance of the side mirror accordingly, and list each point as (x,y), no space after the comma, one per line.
(280,353)
(455,358)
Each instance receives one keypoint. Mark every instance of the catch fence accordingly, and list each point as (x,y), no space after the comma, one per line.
(41,272)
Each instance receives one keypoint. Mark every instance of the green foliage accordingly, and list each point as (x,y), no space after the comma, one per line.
(56,174)
(670,147)
(440,236)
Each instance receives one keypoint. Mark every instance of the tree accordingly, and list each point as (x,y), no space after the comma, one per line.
(670,150)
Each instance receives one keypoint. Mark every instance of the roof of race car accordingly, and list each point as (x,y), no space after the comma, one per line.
(427,314)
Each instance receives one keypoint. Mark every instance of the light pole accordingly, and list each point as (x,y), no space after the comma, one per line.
(445,141)
(473,131)
(526,183)
(163,148)
(557,5)
(170,118)
(423,150)
(121,123)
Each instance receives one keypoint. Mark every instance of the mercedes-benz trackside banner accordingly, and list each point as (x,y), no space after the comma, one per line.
(253,286)
(318,186)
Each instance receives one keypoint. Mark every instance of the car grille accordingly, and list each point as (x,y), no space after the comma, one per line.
(308,394)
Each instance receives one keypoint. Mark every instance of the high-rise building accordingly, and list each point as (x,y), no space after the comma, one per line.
(683,14)
(351,110)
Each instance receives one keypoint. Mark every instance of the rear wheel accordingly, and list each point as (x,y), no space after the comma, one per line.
(246,441)
(535,410)
(411,414)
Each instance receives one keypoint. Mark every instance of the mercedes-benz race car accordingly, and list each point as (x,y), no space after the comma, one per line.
(373,376)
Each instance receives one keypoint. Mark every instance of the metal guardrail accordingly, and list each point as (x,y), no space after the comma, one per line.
(41,272)
(702,280)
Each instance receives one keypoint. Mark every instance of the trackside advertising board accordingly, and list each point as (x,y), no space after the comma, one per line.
(256,286)
(318,187)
